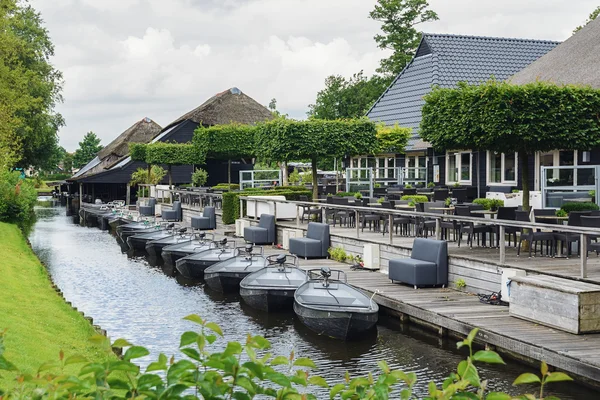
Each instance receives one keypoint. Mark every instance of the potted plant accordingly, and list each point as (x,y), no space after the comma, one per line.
(430,185)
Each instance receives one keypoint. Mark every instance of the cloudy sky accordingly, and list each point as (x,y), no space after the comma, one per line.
(127,59)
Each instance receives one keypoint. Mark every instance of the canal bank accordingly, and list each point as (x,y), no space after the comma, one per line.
(38,321)
(132,299)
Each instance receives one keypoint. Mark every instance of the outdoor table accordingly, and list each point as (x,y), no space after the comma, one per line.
(446,210)
(485,213)
(562,219)
(374,204)
(406,206)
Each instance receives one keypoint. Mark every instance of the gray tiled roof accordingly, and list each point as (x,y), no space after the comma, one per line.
(445,60)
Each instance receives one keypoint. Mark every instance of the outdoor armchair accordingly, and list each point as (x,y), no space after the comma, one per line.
(315,244)
(264,233)
(207,221)
(174,214)
(427,265)
(149,209)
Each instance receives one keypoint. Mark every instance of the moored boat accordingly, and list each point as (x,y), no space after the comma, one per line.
(226,276)
(154,248)
(331,307)
(138,241)
(134,228)
(199,242)
(193,266)
(272,288)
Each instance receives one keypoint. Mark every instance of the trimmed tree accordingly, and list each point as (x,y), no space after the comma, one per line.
(507,118)
(226,142)
(288,140)
(392,139)
(170,154)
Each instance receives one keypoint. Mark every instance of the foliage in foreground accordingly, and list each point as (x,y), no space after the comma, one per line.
(244,371)
(17,198)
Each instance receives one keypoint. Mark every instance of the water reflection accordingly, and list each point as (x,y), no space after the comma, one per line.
(131,299)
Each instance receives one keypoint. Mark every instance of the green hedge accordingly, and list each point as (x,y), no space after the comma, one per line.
(488,204)
(228,142)
(226,186)
(137,151)
(173,154)
(231,201)
(17,199)
(416,198)
(568,207)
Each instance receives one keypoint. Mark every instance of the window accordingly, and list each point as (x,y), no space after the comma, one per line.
(384,167)
(502,168)
(459,167)
(415,168)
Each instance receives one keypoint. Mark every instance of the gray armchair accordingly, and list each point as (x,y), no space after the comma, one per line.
(174,214)
(315,244)
(264,233)
(207,221)
(148,210)
(427,265)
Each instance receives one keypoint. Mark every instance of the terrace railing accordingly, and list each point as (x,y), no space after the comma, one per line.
(389,214)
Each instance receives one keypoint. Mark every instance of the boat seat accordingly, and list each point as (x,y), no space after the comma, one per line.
(427,265)
(264,233)
(174,214)
(207,221)
(149,209)
(314,245)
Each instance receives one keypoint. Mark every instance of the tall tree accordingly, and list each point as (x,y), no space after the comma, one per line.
(592,17)
(67,163)
(398,20)
(88,148)
(29,86)
(347,98)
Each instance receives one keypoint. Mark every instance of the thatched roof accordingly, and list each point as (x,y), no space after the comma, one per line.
(223,108)
(575,61)
(141,132)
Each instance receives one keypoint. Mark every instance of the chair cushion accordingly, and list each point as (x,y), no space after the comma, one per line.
(256,235)
(201,223)
(306,247)
(413,272)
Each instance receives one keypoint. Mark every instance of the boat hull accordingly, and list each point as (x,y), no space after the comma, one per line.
(225,282)
(345,325)
(269,300)
(193,269)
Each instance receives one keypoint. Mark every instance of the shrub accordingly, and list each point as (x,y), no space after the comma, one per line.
(416,198)
(489,204)
(568,207)
(17,199)
(561,213)
(431,185)
(408,186)
(231,202)
(214,370)
(294,177)
(346,194)
(226,186)
(338,253)
(358,196)
(199,177)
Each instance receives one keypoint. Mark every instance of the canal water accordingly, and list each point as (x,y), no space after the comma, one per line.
(133,300)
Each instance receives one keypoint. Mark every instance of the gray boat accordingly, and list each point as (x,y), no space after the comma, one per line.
(226,276)
(199,242)
(329,306)
(154,247)
(138,242)
(134,228)
(193,266)
(272,288)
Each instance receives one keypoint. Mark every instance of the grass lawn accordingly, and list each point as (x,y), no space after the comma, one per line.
(39,323)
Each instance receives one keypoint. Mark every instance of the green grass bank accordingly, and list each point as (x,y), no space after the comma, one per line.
(38,321)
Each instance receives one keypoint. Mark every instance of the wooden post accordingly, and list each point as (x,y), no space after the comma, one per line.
(356,220)
(501,234)
(80,194)
(583,254)
(128,198)
(93,193)
(298,216)
(241,207)
(438,229)
(275,209)
(255,208)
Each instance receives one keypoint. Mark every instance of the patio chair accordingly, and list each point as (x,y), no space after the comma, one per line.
(315,244)
(460,194)
(264,233)
(440,194)
(592,222)
(427,265)
(534,236)
(207,221)
(472,193)
(173,215)
(409,192)
(309,211)
(470,228)
(149,209)
(507,214)
(567,237)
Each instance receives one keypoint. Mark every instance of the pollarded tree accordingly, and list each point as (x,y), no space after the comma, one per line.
(226,142)
(392,139)
(170,154)
(288,140)
(512,119)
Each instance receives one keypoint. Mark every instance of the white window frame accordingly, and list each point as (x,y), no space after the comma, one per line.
(503,182)
(387,168)
(556,162)
(457,154)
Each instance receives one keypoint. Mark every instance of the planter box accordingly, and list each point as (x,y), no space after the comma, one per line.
(240,224)
(284,210)
(564,304)
(290,234)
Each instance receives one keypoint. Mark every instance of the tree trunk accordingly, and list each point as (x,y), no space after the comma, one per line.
(148,179)
(284,173)
(314,179)
(524,160)
(229,173)
(170,178)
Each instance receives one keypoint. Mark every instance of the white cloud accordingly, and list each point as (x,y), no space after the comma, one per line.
(126,59)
